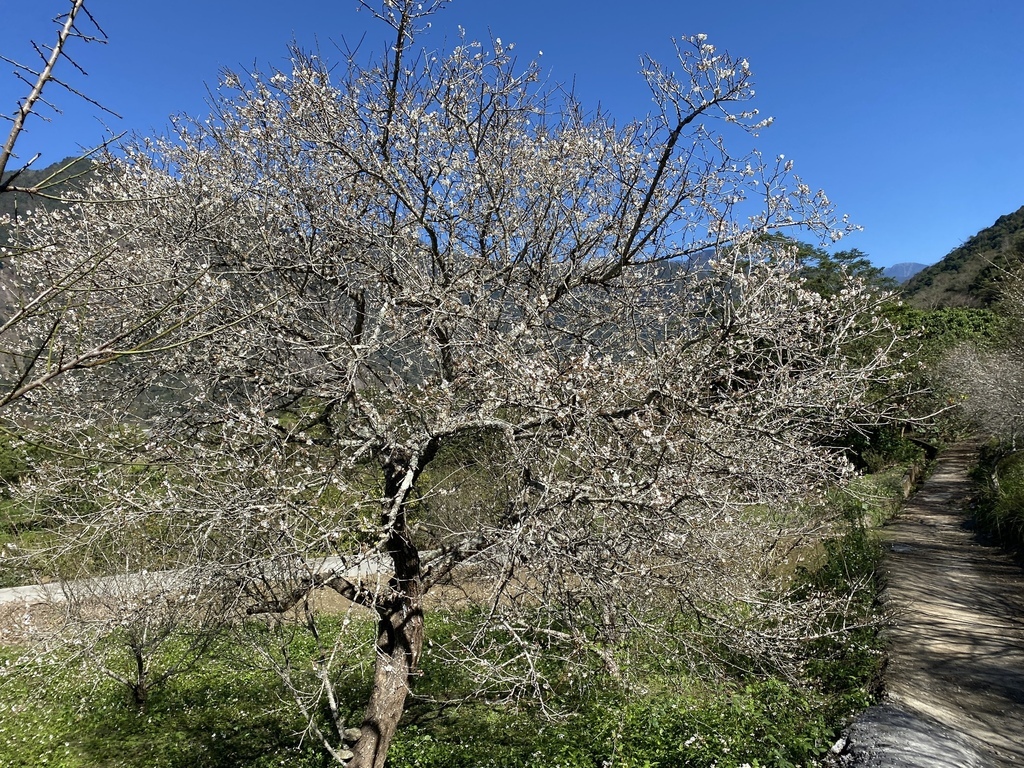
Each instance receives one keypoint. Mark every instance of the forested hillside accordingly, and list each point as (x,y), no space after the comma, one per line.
(51,182)
(970,274)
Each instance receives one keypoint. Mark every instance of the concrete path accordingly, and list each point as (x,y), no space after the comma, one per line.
(353,569)
(955,680)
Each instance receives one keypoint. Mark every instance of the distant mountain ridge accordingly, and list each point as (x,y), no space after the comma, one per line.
(969,276)
(903,271)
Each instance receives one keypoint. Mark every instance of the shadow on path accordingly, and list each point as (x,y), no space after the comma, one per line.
(955,680)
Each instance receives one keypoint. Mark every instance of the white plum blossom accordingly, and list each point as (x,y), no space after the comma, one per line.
(351,295)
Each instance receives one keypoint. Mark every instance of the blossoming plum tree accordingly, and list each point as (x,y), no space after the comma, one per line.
(374,290)
(35,302)
(990,380)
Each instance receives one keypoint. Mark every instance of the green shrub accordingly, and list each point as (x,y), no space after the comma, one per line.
(999,507)
(883,448)
(845,665)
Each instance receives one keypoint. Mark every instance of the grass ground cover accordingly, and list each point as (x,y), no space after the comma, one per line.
(230,711)
(56,713)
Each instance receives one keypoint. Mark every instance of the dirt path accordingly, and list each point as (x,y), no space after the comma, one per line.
(955,681)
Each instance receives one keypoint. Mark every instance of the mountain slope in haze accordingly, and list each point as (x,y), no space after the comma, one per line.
(969,276)
(52,181)
(903,271)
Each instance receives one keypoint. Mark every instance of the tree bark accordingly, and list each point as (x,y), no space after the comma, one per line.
(399,643)
(399,635)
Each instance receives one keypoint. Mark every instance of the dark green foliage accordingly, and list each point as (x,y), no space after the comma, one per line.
(847,665)
(827,273)
(929,334)
(886,446)
(845,659)
(935,331)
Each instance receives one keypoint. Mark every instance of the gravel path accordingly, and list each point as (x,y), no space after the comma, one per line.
(955,680)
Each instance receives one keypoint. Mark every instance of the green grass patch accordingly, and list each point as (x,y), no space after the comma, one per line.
(765,722)
(57,712)
(230,710)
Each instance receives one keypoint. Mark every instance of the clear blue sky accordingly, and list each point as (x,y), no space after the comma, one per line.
(909,114)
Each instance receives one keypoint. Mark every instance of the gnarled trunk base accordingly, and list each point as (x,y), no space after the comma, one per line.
(399,643)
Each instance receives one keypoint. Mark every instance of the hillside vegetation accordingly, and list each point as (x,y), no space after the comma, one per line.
(51,185)
(51,181)
(969,275)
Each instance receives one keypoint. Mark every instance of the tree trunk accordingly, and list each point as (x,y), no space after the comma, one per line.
(140,683)
(399,642)
(399,631)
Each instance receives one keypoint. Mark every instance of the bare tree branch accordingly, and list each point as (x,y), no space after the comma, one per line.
(41,78)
